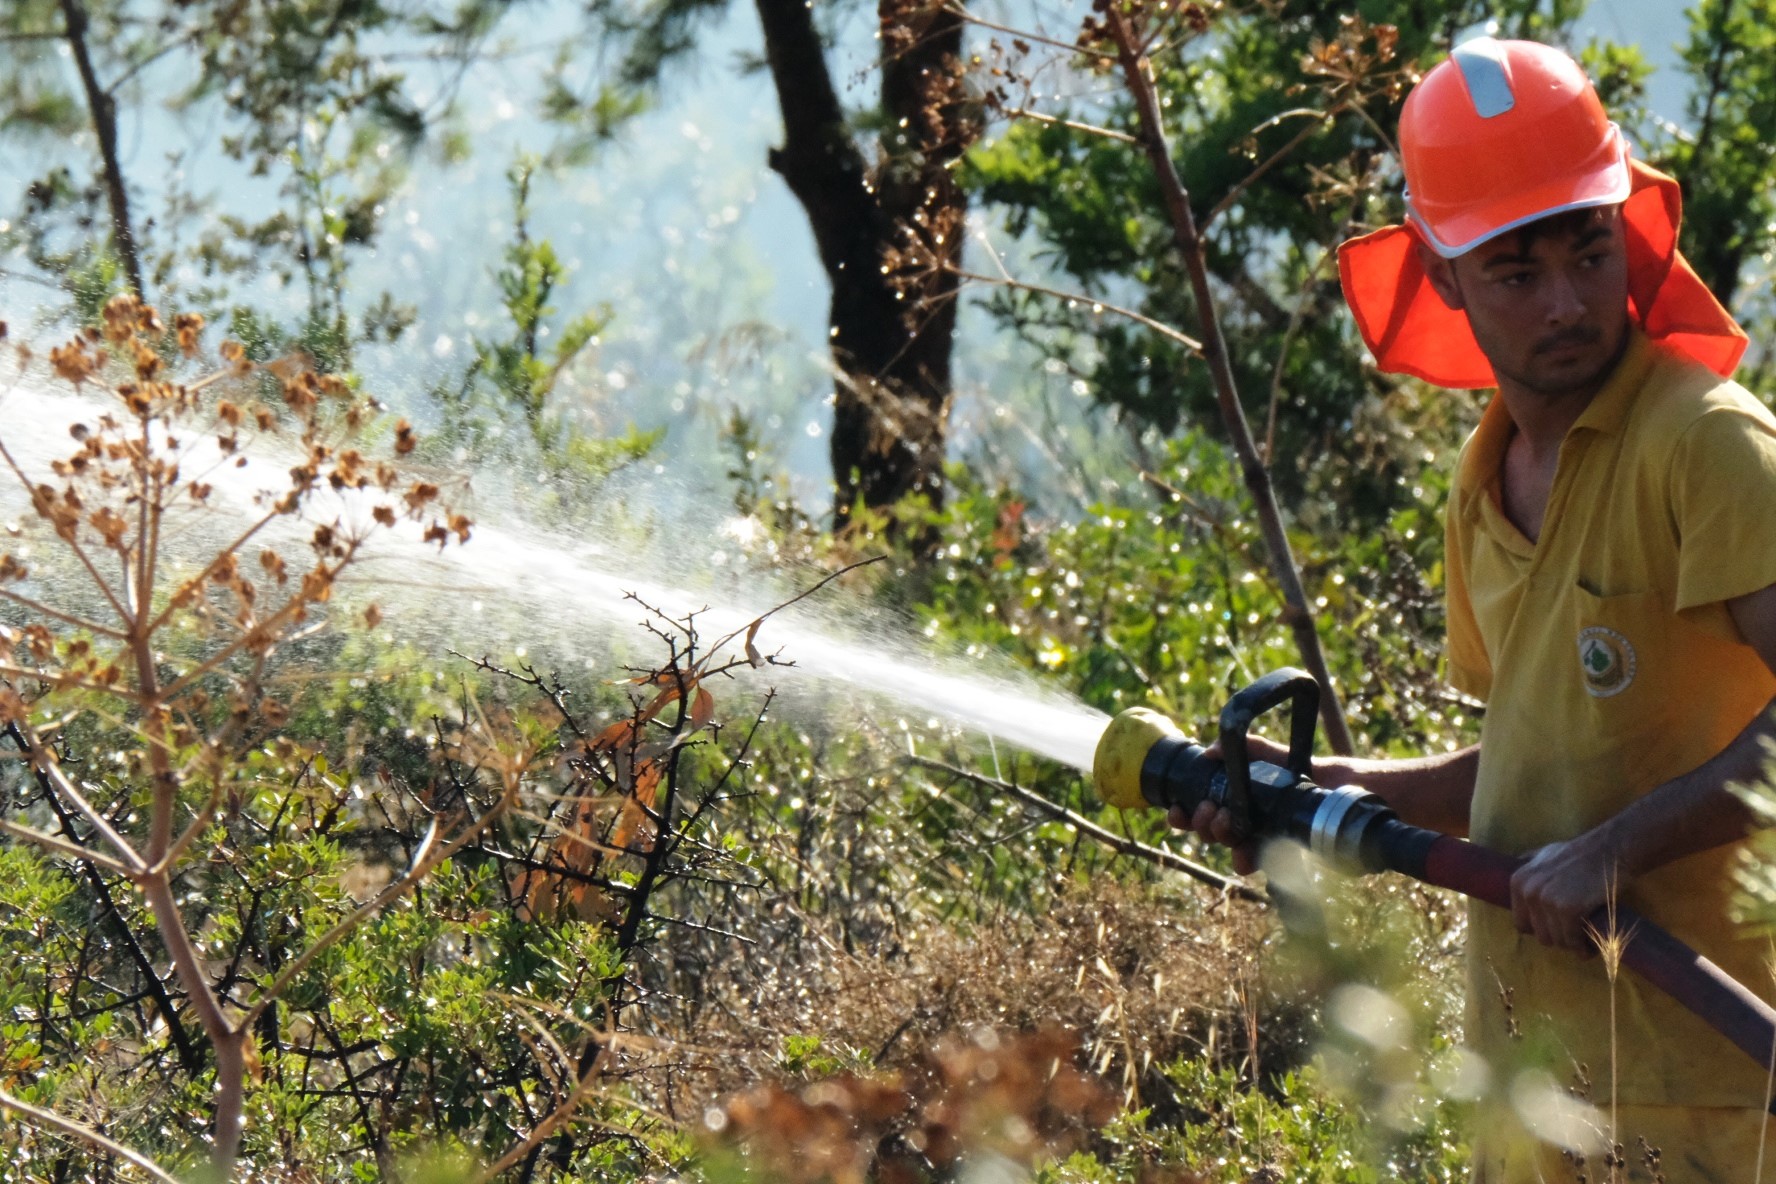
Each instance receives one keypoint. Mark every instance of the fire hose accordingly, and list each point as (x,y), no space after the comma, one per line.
(1144,760)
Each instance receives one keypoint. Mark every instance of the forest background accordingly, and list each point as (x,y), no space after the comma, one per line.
(709,302)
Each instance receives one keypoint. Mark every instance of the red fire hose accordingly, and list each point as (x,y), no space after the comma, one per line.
(1651,952)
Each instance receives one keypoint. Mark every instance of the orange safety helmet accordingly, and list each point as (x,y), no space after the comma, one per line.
(1499,135)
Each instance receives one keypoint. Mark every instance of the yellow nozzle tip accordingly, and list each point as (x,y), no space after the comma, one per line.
(1116,767)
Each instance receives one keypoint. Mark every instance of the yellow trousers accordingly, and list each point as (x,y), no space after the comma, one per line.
(1673,1144)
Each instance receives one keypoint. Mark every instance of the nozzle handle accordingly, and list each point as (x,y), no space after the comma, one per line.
(1236,721)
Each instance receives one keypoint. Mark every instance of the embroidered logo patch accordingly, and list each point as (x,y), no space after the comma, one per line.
(1607,661)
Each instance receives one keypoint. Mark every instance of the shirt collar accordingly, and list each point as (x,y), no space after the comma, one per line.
(1485,453)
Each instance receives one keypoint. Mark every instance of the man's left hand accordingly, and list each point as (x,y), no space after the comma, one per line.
(1561,885)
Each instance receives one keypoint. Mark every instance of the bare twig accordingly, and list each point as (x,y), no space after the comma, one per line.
(45,762)
(181,1038)
(585,1084)
(197,582)
(1160,327)
(1282,359)
(1299,612)
(1275,158)
(73,544)
(58,679)
(700,927)
(1375,126)
(198,824)
(1723,45)
(102,107)
(267,627)
(37,606)
(1091,129)
(798,597)
(86,1134)
(1026,35)
(1121,844)
(64,847)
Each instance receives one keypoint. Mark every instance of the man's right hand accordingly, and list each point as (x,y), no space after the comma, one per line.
(1216,824)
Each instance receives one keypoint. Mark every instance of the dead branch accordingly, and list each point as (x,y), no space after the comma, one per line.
(1160,327)
(1121,844)
(1090,129)
(86,1134)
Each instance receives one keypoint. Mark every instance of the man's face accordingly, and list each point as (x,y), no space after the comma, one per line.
(1548,304)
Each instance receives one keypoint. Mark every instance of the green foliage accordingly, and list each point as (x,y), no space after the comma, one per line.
(1162,597)
(1237,98)
(314,95)
(34,99)
(651,36)
(807,1057)
(50,233)
(1296,1129)
(520,373)
(374,948)
(1279,116)
(588,123)
(1728,166)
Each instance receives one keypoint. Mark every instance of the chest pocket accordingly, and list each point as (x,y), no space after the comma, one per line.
(1625,662)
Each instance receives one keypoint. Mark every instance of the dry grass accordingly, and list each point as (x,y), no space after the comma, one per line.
(1139,974)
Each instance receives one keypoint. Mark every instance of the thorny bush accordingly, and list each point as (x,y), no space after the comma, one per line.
(370,951)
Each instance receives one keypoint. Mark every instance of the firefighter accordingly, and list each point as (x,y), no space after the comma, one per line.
(1611,583)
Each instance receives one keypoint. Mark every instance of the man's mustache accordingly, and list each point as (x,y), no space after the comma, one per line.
(1566,338)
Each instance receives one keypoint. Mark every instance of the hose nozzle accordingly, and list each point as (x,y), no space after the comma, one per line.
(1123,749)
(1144,761)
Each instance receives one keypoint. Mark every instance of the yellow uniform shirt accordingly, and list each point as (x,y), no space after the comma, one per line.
(1610,665)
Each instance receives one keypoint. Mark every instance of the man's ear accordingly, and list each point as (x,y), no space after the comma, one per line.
(1441,273)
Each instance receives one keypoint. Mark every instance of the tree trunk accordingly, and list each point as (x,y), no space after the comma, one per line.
(888,237)
(104,118)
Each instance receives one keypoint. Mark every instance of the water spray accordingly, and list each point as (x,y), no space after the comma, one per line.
(1143,760)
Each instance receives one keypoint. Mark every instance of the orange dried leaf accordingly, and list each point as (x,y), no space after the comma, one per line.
(648,775)
(110,525)
(188,325)
(72,363)
(634,828)
(702,710)
(616,736)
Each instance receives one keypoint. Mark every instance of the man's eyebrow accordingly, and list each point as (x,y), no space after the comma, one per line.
(1585,240)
